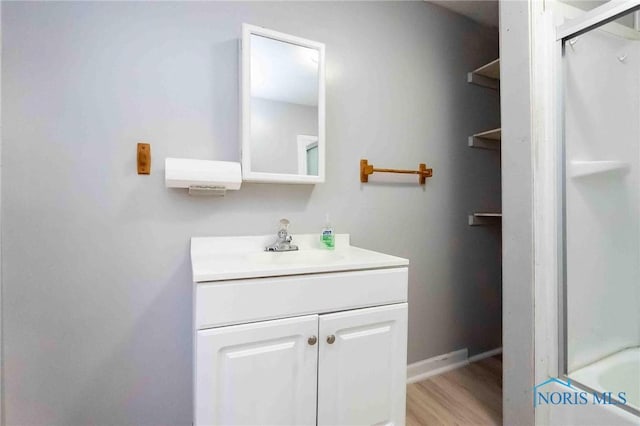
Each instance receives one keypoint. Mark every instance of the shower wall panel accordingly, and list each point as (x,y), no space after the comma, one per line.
(602,184)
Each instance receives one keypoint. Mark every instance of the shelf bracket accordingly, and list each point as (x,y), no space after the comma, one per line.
(481,80)
(484,219)
(484,143)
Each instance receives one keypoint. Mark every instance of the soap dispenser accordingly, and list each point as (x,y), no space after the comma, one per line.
(328,237)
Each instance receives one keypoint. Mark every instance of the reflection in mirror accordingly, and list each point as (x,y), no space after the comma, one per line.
(284,105)
(307,154)
(283,108)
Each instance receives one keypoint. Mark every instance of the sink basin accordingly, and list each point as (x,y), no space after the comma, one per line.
(299,257)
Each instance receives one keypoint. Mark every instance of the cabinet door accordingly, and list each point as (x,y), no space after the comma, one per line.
(263,373)
(362,373)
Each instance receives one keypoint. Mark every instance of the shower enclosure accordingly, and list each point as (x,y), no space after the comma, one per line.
(600,284)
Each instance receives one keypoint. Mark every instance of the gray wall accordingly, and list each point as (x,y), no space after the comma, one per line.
(96,288)
(275,126)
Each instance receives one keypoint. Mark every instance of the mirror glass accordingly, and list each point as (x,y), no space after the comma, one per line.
(283,139)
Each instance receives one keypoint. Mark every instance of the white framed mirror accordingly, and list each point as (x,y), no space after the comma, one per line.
(283,107)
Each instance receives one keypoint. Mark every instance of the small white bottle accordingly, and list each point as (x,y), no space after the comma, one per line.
(328,237)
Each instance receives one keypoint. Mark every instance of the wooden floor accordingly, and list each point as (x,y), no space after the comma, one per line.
(471,395)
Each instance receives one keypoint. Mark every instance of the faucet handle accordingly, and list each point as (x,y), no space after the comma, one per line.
(284,225)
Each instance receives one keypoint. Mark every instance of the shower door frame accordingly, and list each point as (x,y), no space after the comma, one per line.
(568,30)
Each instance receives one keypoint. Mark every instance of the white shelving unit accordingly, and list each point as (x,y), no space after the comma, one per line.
(484,219)
(486,140)
(487,75)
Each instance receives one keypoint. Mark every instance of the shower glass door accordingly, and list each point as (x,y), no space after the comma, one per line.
(602,209)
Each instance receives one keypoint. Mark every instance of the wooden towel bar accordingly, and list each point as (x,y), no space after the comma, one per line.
(367,169)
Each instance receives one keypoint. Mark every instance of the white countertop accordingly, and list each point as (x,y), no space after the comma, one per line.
(229,258)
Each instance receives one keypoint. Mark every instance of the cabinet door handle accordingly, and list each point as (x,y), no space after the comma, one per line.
(312,340)
(331,339)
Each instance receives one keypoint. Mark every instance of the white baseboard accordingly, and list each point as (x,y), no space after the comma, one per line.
(487,354)
(426,368)
(437,365)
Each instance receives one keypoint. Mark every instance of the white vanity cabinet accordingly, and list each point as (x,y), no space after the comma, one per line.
(325,348)
(260,373)
(362,374)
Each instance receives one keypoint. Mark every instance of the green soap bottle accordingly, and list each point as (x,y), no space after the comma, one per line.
(328,237)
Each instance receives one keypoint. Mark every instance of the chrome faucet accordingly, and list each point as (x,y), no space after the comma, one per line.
(283,242)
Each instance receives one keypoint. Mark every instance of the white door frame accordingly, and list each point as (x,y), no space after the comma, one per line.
(1,257)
